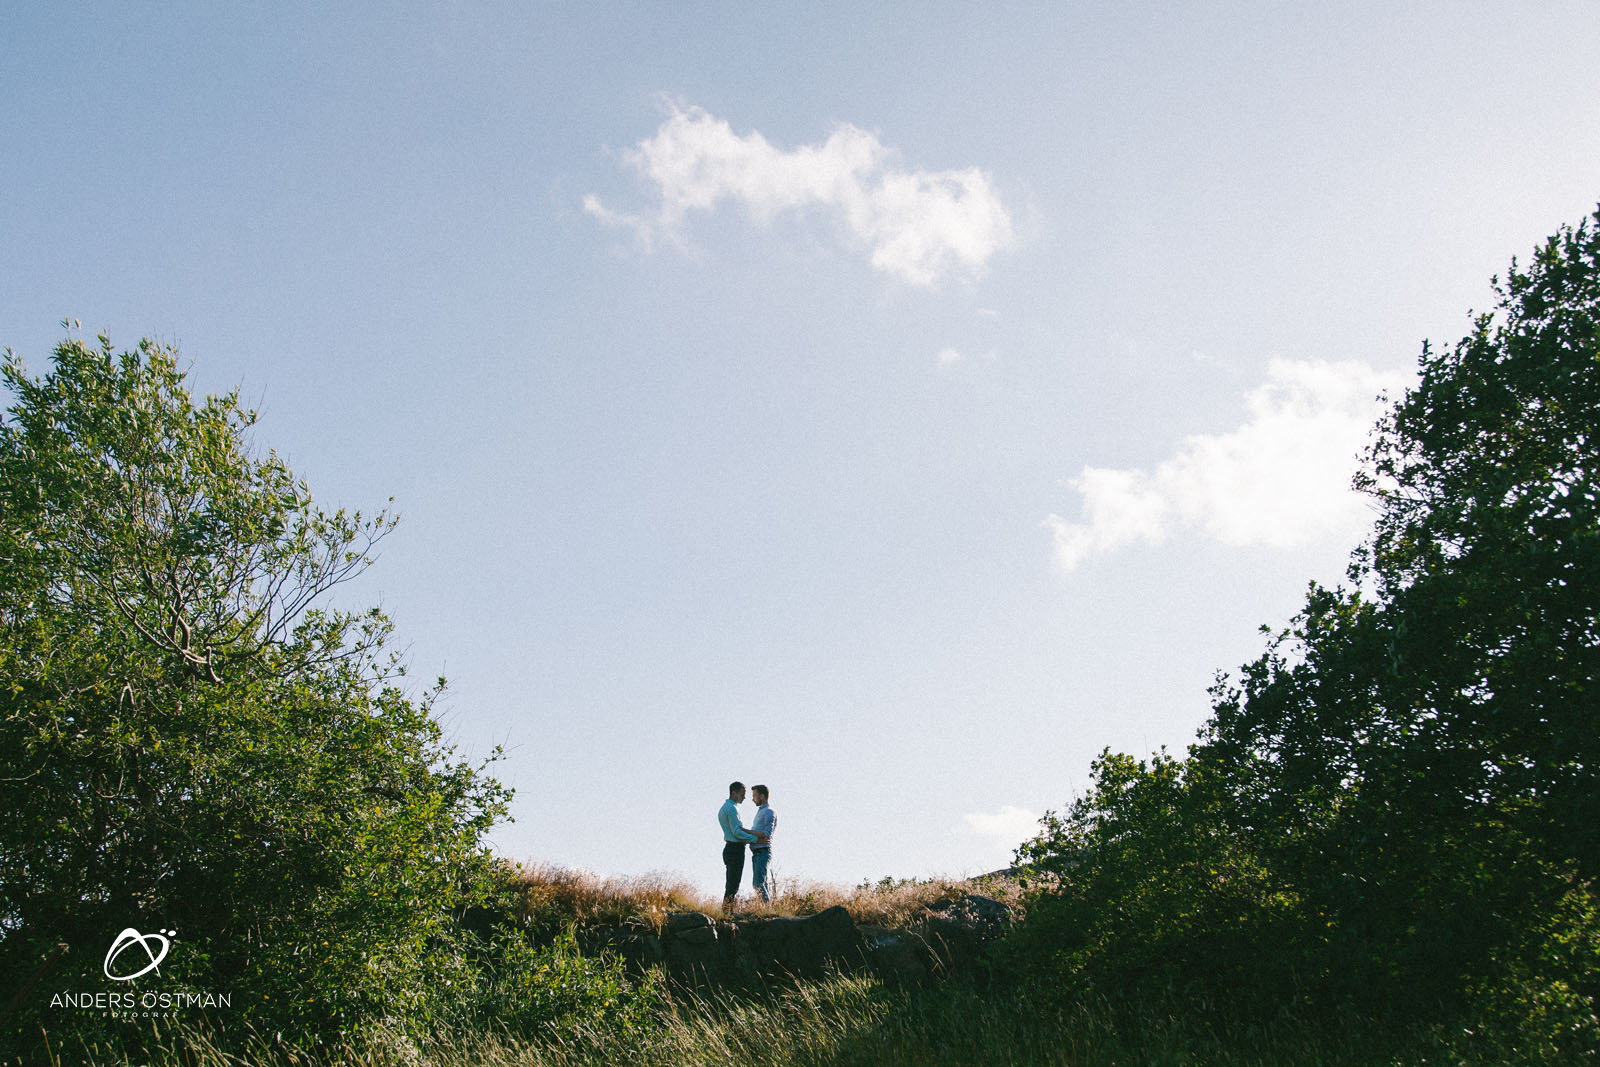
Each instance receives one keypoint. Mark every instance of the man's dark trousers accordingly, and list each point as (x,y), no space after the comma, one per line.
(733,859)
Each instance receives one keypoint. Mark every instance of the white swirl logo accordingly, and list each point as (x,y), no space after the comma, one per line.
(130,937)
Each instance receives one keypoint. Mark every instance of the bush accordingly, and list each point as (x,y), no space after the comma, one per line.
(524,989)
(1143,892)
(1391,811)
(189,743)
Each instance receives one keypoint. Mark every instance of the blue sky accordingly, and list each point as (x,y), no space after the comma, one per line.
(895,406)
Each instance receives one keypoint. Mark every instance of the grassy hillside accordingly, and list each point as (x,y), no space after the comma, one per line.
(852,1022)
(841,1020)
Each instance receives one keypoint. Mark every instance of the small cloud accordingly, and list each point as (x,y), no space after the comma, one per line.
(949,356)
(1280,480)
(1008,827)
(916,225)
(593,206)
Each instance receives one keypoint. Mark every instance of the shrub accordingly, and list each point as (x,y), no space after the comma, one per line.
(525,989)
(189,742)
(1392,809)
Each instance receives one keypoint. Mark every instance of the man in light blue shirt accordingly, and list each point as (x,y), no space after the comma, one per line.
(734,837)
(763,825)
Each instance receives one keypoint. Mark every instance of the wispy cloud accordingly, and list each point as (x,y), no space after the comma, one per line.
(1008,827)
(949,356)
(1281,479)
(915,225)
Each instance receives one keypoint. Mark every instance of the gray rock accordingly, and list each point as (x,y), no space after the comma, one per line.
(690,948)
(957,935)
(686,920)
(964,932)
(900,957)
(697,935)
(800,946)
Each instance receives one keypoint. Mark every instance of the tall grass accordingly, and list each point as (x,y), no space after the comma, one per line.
(546,892)
(549,893)
(841,1021)
(844,1020)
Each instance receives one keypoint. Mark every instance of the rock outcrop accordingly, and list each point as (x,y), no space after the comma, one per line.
(966,931)
(900,957)
(956,936)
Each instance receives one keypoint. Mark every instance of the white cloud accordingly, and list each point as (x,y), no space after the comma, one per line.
(916,225)
(949,356)
(1008,827)
(1280,480)
(593,206)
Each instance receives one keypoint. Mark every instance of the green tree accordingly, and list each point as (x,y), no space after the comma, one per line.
(1416,759)
(190,739)
(1142,890)
(1488,545)
(1429,739)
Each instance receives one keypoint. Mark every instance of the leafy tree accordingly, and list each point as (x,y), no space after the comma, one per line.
(1425,746)
(190,740)
(1488,545)
(1416,759)
(1142,888)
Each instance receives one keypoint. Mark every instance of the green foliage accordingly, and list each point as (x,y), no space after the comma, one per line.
(1142,889)
(888,883)
(1486,555)
(853,1021)
(1402,788)
(528,989)
(1423,748)
(188,741)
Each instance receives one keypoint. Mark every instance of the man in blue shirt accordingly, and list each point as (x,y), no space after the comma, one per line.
(734,837)
(763,825)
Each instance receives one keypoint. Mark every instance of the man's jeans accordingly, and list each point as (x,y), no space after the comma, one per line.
(758,873)
(733,859)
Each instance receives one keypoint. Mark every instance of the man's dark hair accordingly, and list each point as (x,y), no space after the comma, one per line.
(734,785)
(760,789)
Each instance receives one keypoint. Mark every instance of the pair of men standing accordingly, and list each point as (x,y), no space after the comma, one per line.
(735,837)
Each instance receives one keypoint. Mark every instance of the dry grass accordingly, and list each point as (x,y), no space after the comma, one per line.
(888,903)
(841,1021)
(548,893)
